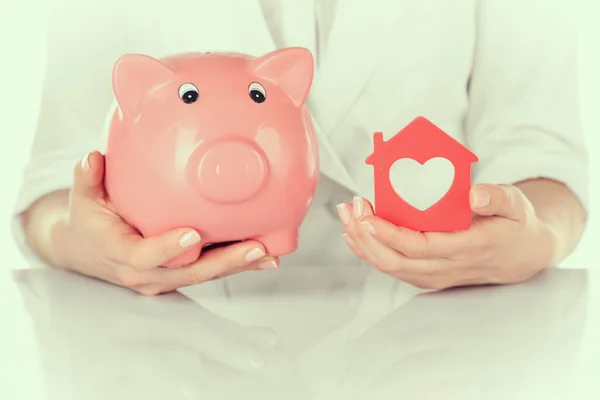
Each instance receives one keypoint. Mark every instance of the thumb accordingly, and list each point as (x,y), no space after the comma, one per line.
(505,201)
(89,177)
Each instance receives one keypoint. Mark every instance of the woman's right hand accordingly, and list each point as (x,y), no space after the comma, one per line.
(93,239)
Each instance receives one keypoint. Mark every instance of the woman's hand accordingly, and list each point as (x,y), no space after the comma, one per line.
(507,243)
(89,237)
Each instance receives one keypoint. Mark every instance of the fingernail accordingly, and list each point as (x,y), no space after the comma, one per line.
(268,264)
(255,359)
(85,163)
(348,240)
(357,204)
(189,239)
(368,227)
(344,213)
(480,198)
(254,255)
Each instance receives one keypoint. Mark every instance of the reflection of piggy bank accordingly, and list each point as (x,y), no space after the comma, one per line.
(222,143)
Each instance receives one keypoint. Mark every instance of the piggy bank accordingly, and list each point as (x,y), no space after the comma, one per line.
(219,142)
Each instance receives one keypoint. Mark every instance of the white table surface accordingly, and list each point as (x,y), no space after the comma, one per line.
(300,333)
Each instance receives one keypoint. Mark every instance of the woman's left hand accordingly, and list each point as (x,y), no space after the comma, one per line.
(507,243)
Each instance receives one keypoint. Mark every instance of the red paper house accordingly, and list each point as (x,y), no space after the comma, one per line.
(421,141)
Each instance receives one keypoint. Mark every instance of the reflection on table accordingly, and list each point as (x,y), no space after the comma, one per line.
(306,333)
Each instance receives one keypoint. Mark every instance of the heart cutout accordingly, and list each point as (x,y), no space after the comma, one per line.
(422,185)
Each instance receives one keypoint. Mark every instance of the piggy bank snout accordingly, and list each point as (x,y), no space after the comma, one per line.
(228,171)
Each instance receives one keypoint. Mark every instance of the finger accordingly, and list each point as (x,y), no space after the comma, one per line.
(264,263)
(344,211)
(389,260)
(145,253)
(88,178)
(347,216)
(361,207)
(505,201)
(354,246)
(409,270)
(158,287)
(410,243)
(422,245)
(357,208)
(209,265)
(415,244)
(152,282)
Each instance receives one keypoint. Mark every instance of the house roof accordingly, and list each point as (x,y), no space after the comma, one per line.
(421,140)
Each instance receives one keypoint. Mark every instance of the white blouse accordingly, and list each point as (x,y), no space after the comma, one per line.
(498,76)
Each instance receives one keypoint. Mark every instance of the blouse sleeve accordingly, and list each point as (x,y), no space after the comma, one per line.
(524,117)
(81,47)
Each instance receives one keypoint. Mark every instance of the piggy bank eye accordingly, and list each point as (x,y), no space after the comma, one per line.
(188,93)
(257,92)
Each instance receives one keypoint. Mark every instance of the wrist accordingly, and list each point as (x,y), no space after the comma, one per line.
(559,215)
(47,231)
(64,244)
(552,248)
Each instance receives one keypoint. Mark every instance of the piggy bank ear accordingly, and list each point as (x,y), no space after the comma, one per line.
(291,68)
(134,76)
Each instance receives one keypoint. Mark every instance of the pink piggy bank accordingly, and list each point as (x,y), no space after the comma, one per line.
(219,142)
